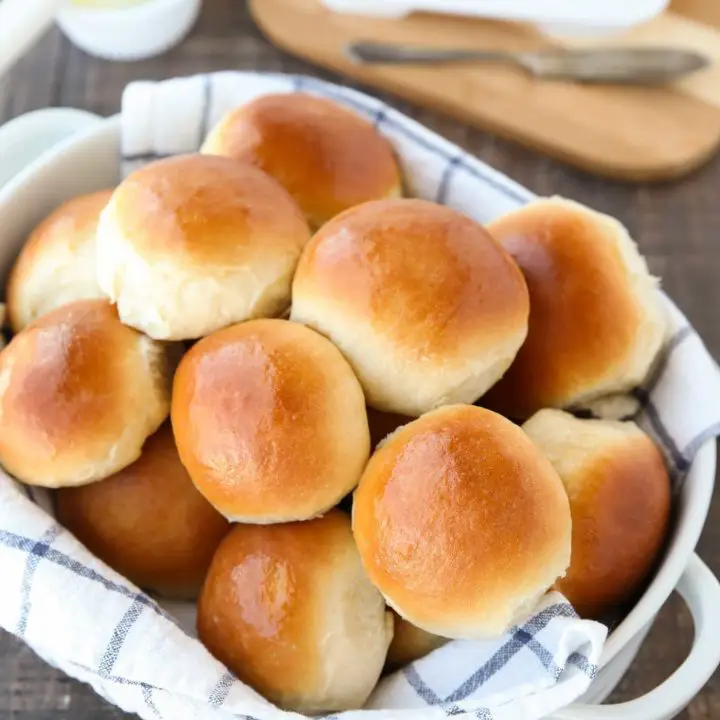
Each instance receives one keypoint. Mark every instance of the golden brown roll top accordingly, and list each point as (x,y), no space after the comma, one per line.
(79,394)
(270,422)
(56,265)
(195,243)
(148,521)
(596,323)
(426,306)
(326,156)
(461,523)
(289,609)
(619,494)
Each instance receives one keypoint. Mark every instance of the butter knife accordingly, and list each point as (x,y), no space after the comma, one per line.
(637,66)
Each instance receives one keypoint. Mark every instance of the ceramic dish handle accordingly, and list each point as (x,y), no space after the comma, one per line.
(701,591)
(24,139)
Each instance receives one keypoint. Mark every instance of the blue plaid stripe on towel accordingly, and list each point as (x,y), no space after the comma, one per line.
(85,619)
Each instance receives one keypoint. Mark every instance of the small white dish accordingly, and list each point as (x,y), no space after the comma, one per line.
(110,29)
(129,33)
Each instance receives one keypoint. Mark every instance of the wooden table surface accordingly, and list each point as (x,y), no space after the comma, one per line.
(676,225)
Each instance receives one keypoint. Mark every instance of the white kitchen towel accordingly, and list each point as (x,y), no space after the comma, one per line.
(85,619)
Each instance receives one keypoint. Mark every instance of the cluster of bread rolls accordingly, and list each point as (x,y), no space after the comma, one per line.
(310,334)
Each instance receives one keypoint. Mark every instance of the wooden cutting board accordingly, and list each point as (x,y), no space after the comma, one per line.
(637,134)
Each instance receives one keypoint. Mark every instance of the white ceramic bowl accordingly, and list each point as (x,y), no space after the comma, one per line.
(133,33)
(90,161)
(115,33)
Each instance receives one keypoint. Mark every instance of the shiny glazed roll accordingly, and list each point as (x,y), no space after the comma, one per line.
(425,305)
(596,323)
(148,521)
(79,394)
(326,156)
(270,422)
(289,609)
(194,243)
(462,523)
(56,265)
(620,502)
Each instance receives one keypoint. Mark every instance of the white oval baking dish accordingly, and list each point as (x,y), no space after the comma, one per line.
(90,160)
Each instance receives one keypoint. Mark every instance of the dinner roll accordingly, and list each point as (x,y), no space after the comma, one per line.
(596,322)
(620,502)
(79,394)
(289,609)
(148,521)
(612,407)
(409,644)
(426,306)
(57,263)
(193,243)
(326,156)
(462,523)
(270,422)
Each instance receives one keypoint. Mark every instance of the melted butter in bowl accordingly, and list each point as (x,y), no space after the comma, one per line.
(127,29)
